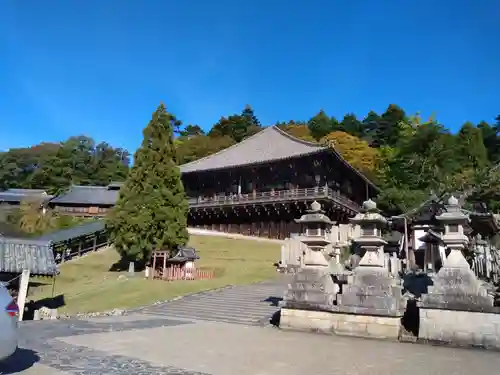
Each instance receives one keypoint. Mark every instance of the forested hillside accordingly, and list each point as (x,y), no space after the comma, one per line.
(409,157)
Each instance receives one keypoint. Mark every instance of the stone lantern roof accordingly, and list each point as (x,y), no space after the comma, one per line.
(454,212)
(369,214)
(314,215)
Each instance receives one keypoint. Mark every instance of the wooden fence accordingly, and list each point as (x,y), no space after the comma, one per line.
(174,273)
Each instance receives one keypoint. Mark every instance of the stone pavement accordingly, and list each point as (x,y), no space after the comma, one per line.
(196,343)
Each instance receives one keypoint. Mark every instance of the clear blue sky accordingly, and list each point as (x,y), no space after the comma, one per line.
(100,68)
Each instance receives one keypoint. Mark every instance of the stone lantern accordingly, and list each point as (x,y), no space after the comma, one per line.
(312,287)
(372,290)
(456,286)
(315,230)
(371,223)
(454,238)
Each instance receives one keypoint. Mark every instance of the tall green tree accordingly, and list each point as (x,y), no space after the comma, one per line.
(151,212)
(351,125)
(370,125)
(249,115)
(423,162)
(491,139)
(191,130)
(320,125)
(238,127)
(471,151)
(387,130)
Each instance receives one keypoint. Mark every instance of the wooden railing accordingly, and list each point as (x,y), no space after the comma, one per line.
(274,196)
(82,211)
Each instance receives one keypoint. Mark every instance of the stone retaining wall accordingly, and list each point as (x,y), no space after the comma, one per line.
(341,324)
(463,328)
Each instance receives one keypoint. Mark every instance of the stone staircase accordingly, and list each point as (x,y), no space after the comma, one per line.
(247,305)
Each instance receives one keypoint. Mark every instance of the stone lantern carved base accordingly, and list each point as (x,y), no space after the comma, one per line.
(372,291)
(457,288)
(311,289)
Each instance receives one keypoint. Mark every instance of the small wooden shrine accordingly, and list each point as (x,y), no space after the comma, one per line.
(181,266)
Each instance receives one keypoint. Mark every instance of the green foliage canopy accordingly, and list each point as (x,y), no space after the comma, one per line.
(416,156)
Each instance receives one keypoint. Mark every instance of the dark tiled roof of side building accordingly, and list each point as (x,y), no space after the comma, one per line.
(27,191)
(18,195)
(270,144)
(98,195)
(81,230)
(17,254)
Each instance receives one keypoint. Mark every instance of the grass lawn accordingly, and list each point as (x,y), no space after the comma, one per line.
(88,285)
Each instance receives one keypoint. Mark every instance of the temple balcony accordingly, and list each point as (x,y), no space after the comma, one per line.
(276,196)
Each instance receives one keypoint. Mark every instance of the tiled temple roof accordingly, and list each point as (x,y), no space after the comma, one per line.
(97,195)
(27,191)
(17,254)
(270,144)
(68,234)
(184,254)
(18,195)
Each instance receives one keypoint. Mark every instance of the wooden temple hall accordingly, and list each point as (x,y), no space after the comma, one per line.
(262,184)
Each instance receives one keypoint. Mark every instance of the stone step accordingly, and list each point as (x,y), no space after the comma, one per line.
(256,301)
(257,305)
(208,317)
(237,298)
(239,304)
(235,312)
(219,304)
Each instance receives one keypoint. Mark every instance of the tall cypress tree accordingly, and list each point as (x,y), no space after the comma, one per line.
(151,212)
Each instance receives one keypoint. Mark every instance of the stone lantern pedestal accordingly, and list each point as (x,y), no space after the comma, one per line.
(312,287)
(372,290)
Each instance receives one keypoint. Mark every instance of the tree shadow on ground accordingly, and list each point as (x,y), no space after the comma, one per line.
(21,360)
(274,301)
(50,302)
(124,263)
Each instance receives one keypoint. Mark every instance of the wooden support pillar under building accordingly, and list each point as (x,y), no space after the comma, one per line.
(94,242)
(80,248)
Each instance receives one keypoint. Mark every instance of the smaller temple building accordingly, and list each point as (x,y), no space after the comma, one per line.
(180,266)
(87,201)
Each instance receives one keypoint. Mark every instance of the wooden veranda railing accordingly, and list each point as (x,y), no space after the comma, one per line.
(274,196)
